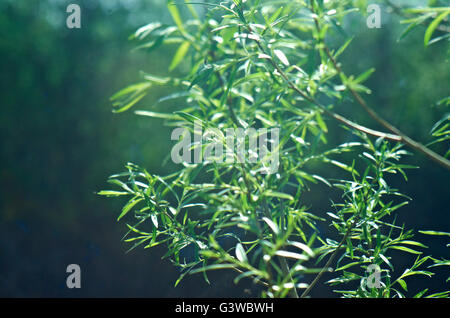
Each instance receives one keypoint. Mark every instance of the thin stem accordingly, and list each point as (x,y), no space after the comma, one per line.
(256,279)
(287,272)
(400,12)
(403,137)
(327,265)
(284,265)
(327,111)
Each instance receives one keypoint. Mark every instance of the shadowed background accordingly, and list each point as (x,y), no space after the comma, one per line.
(60,141)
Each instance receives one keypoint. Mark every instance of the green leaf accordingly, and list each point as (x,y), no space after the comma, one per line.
(240,253)
(321,123)
(347,266)
(238,4)
(439,295)
(128,207)
(321,179)
(420,294)
(203,74)
(303,247)
(403,284)
(364,76)
(152,45)
(412,273)
(154,219)
(176,16)
(156,79)
(110,193)
(378,240)
(157,115)
(135,230)
(433,25)
(386,260)
(287,254)
(342,48)
(439,38)
(146,30)
(413,243)
(130,104)
(408,30)
(121,184)
(179,55)
(130,89)
(272,225)
(275,15)
(440,263)
(405,249)
(280,195)
(282,57)
(350,247)
(213,267)
(434,233)
(129,96)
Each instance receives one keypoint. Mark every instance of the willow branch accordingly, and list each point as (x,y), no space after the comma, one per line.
(401,13)
(402,136)
(255,278)
(284,265)
(327,111)
(327,265)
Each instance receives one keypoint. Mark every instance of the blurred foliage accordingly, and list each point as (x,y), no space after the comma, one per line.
(59,140)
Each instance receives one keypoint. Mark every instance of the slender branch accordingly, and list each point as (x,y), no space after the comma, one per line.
(286,271)
(330,113)
(242,166)
(327,265)
(401,13)
(256,279)
(403,137)
(284,265)
(327,111)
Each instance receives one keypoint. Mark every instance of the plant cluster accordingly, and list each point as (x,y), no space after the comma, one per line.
(269,64)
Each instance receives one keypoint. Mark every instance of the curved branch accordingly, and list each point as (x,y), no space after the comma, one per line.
(402,137)
(327,111)
(401,13)
(327,265)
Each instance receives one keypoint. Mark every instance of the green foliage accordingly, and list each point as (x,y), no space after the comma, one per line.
(266,64)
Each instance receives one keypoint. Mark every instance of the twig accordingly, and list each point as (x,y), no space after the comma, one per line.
(402,137)
(327,111)
(284,265)
(327,265)
(255,279)
(399,11)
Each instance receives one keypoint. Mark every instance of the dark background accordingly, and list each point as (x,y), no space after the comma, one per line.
(59,141)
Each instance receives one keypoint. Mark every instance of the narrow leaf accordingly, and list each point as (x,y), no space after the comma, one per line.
(433,25)
(179,55)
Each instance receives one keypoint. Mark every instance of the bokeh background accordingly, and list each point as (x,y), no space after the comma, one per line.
(59,141)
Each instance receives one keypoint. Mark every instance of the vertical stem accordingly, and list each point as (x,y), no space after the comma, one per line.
(327,265)
(284,265)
